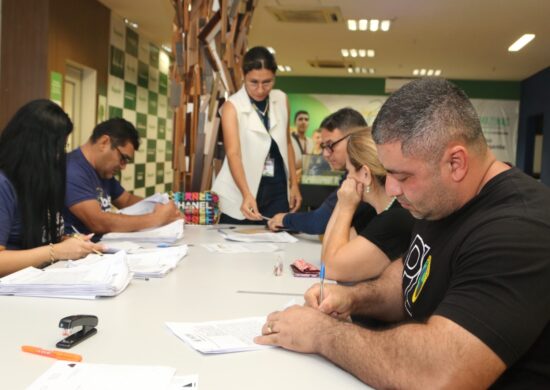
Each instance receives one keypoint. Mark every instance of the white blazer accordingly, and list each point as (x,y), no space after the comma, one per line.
(255,142)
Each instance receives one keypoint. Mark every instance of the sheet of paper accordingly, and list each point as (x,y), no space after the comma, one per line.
(144,263)
(166,234)
(126,246)
(86,376)
(280,237)
(220,336)
(145,206)
(233,247)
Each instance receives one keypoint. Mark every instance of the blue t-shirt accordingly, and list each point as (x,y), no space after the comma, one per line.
(11,224)
(10,217)
(83,183)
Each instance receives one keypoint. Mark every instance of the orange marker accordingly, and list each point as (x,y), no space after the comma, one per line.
(60,355)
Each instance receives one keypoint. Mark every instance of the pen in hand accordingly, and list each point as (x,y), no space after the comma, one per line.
(322,277)
(78,236)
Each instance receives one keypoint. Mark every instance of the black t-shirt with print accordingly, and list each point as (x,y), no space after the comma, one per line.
(486,267)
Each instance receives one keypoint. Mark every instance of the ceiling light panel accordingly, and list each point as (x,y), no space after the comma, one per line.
(369,25)
(521,42)
(427,72)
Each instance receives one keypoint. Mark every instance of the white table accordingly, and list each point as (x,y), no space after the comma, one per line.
(131,326)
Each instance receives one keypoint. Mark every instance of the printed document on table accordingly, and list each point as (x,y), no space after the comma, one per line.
(64,375)
(221,336)
(144,263)
(233,247)
(167,234)
(145,206)
(280,237)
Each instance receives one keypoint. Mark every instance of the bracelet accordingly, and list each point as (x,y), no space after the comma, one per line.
(52,254)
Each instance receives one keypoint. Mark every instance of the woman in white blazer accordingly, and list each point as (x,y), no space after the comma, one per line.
(258,176)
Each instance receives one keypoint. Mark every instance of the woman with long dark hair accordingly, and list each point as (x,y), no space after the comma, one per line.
(258,176)
(32,189)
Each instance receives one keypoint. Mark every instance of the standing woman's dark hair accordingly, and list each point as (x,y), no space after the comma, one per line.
(259,58)
(32,156)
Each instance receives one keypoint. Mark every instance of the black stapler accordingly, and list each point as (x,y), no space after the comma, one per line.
(88,323)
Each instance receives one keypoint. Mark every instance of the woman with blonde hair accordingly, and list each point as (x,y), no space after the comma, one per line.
(351,256)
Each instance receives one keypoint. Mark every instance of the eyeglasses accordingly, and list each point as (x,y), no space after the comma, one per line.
(329,145)
(124,159)
(254,84)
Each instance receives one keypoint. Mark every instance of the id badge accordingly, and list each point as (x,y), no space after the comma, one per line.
(269,167)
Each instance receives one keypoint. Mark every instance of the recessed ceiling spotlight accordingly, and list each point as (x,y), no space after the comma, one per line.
(385,25)
(350,70)
(437,72)
(374,23)
(281,68)
(352,25)
(271,50)
(288,68)
(353,53)
(130,23)
(363,24)
(345,52)
(370,53)
(362,53)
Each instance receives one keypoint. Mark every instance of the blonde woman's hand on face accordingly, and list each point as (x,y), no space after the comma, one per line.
(350,193)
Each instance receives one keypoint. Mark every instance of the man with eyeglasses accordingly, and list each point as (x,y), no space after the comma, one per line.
(92,188)
(335,130)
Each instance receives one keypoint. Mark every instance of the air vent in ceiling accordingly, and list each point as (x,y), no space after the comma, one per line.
(312,15)
(329,64)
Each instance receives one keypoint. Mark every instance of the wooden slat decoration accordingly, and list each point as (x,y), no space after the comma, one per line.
(208,42)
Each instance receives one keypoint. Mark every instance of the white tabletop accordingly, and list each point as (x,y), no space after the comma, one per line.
(203,287)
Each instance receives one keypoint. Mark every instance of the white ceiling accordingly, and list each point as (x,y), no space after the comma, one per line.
(466,39)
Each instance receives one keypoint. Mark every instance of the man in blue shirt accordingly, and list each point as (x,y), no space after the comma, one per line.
(92,188)
(335,129)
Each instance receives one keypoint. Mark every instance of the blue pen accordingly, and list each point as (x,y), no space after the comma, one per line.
(322,276)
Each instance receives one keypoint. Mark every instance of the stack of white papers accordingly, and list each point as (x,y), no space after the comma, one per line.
(221,336)
(233,247)
(144,263)
(85,376)
(156,263)
(253,236)
(117,246)
(145,206)
(167,234)
(107,277)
